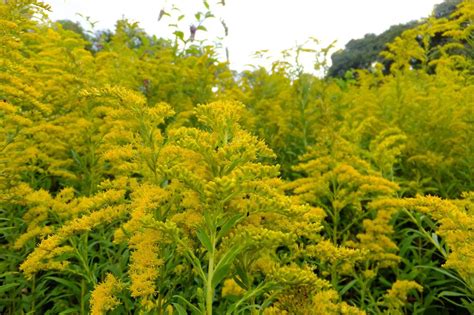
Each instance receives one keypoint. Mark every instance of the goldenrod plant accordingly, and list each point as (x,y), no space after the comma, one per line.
(140,175)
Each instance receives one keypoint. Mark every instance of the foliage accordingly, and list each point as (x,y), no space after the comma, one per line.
(362,53)
(141,175)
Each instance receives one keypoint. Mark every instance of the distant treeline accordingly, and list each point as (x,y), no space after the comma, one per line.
(363,52)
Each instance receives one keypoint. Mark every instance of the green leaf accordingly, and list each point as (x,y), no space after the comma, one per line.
(347,287)
(180,309)
(195,262)
(205,240)
(179,34)
(262,288)
(220,274)
(76,157)
(242,274)
(69,311)
(223,266)
(227,226)
(191,306)
(445,272)
(434,237)
(202,28)
(451,293)
(71,285)
(8,286)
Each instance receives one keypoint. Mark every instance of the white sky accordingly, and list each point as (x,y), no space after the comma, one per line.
(256,24)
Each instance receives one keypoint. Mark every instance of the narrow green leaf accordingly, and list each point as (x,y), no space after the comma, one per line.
(204,239)
(191,306)
(220,274)
(227,226)
(451,293)
(8,286)
(262,288)
(223,266)
(181,310)
(69,311)
(242,278)
(443,271)
(347,287)
(71,285)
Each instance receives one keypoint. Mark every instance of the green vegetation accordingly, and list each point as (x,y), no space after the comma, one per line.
(140,175)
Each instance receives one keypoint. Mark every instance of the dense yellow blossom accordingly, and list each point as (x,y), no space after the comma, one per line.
(230,287)
(326,302)
(103,297)
(42,258)
(455,225)
(272,191)
(396,297)
(145,264)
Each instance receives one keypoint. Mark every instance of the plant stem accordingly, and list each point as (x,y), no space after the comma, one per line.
(210,275)
(83,293)
(33,289)
(362,293)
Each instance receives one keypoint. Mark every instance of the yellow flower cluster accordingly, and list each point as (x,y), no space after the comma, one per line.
(43,207)
(381,249)
(327,302)
(456,226)
(231,288)
(103,298)
(108,143)
(145,263)
(42,258)
(336,173)
(341,258)
(397,296)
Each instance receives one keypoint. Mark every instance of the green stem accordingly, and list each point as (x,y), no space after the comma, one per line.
(83,293)
(335,211)
(334,277)
(90,277)
(160,304)
(33,289)
(336,223)
(356,220)
(427,235)
(362,293)
(210,275)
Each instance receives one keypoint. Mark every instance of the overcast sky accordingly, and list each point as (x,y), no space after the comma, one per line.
(256,24)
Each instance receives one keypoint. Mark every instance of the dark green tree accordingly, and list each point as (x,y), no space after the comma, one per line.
(445,8)
(362,53)
(74,27)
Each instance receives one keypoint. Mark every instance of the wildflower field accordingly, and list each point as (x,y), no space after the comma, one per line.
(140,175)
